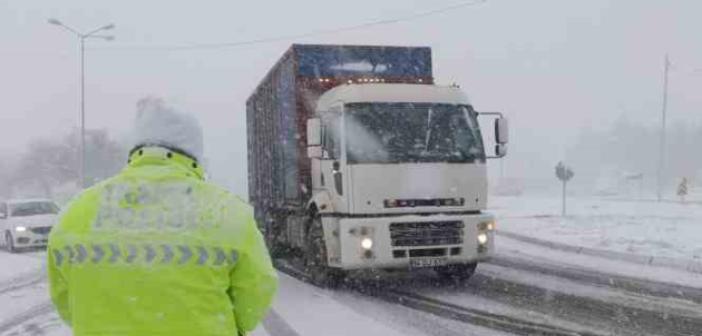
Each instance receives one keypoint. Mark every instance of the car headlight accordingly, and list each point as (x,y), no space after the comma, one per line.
(20,228)
(482,238)
(367,243)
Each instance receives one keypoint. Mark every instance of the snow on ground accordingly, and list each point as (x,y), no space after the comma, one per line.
(555,284)
(516,250)
(14,265)
(312,311)
(299,309)
(409,321)
(667,229)
(491,306)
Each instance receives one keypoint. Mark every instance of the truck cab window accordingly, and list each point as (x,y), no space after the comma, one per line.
(332,141)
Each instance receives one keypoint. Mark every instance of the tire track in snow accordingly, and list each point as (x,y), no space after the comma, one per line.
(27,315)
(586,276)
(389,292)
(22,281)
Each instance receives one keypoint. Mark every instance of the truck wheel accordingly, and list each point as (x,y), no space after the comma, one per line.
(315,256)
(10,243)
(459,272)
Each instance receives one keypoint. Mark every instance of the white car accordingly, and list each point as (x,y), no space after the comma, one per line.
(27,223)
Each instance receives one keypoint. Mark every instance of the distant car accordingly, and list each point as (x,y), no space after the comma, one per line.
(27,223)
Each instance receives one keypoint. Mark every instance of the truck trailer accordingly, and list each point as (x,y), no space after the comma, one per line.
(357,160)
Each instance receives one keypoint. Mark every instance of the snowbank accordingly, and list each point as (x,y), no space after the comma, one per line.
(665,231)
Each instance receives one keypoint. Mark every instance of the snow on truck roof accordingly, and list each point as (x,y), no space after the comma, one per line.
(389,93)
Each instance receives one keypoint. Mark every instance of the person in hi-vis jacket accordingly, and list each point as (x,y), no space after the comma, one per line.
(157,250)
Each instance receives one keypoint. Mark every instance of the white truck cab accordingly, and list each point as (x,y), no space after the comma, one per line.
(399,177)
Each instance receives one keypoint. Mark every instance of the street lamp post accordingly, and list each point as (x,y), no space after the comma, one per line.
(661,154)
(82,37)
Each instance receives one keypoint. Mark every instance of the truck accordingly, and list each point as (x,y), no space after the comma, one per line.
(357,160)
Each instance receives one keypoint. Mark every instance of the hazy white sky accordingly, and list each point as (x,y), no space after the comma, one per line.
(552,66)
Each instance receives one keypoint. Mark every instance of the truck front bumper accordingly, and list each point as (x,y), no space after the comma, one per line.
(408,240)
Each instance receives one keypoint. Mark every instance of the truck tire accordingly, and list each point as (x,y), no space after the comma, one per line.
(456,272)
(10,243)
(315,257)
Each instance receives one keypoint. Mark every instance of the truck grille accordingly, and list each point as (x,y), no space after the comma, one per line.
(41,229)
(426,233)
(424,202)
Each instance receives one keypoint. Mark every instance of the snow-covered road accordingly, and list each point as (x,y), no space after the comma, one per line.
(550,295)
(299,309)
(525,288)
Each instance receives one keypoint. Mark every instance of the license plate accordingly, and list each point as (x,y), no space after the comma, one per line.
(428,262)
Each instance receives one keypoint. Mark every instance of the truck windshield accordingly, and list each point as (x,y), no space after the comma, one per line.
(412,132)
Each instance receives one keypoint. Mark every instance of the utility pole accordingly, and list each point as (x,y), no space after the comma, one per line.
(82,37)
(81,171)
(661,155)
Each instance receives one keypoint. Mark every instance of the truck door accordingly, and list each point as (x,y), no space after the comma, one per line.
(332,169)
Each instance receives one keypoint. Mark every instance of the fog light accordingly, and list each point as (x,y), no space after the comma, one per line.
(367,243)
(482,238)
(20,229)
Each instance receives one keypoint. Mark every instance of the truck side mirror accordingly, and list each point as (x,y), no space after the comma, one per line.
(500,150)
(314,138)
(502,132)
(338,182)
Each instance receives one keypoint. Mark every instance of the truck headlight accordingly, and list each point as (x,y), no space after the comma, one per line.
(20,228)
(367,243)
(482,238)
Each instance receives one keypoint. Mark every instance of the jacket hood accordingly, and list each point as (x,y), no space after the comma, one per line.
(161,156)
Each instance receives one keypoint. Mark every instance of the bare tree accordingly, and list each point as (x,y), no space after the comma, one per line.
(49,163)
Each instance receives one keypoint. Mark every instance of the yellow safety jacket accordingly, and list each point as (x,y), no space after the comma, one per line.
(156,250)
